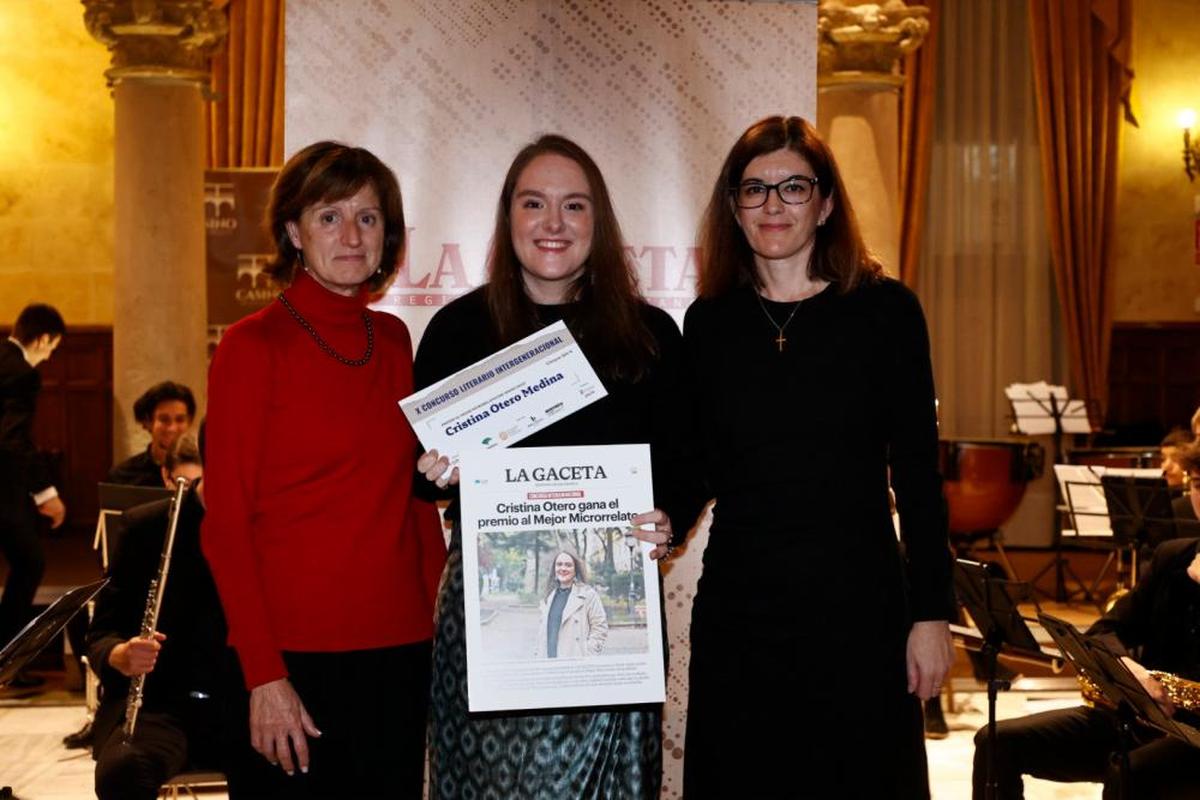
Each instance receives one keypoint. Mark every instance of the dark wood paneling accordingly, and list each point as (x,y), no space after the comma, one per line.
(74,418)
(1153,379)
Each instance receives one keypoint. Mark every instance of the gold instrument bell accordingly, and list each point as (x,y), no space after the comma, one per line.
(1182,693)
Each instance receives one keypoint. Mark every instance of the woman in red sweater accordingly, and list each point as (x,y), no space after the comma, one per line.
(326,565)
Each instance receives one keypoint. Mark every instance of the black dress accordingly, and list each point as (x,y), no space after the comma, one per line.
(806,599)
(594,753)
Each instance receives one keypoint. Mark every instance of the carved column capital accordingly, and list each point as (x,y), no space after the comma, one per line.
(157,40)
(860,43)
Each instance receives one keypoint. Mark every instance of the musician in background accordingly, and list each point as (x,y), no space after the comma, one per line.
(25,487)
(1170,447)
(192,685)
(166,411)
(1157,622)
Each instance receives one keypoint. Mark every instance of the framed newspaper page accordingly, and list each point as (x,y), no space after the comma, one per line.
(562,602)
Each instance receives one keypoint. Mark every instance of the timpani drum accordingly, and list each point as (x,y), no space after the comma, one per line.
(985,479)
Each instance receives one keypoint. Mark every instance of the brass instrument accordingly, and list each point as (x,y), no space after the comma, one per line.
(153,605)
(1181,692)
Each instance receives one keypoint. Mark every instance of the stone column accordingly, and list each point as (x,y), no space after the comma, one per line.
(159,72)
(858,107)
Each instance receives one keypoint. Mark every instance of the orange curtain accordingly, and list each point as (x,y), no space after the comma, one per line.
(916,139)
(1082,78)
(245,123)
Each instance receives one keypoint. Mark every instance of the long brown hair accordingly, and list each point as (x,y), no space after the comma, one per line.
(326,172)
(840,255)
(608,323)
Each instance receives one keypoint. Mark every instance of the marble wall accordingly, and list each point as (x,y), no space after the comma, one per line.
(56,163)
(1157,279)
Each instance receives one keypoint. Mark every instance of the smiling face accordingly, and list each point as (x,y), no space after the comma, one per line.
(169,421)
(778,231)
(564,569)
(341,241)
(552,222)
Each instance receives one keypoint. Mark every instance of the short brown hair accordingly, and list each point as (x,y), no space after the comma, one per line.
(840,255)
(326,172)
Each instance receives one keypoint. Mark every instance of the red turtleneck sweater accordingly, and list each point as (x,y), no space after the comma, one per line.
(314,538)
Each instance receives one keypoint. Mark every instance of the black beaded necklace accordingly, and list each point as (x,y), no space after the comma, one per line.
(321,343)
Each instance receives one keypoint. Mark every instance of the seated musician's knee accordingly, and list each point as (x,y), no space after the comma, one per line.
(124,772)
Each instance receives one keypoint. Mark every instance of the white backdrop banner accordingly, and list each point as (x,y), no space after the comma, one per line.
(447,91)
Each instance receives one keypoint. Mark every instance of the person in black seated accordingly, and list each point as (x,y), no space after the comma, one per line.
(1171,448)
(1154,627)
(166,411)
(192,683)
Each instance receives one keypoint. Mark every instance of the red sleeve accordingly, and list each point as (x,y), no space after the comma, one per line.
(426,524)
(238,399)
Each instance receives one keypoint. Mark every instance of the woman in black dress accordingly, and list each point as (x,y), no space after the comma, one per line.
(556,254)
(812,377)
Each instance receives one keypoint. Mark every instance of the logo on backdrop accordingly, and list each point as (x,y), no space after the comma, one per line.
(666,276)
(235,201)
(220,208)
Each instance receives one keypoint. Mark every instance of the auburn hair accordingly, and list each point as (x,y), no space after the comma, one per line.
(608,323)
(839,255)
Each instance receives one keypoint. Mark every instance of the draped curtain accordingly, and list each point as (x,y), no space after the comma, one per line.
(985,275)
(916,139)
(1081,58)
(245,123)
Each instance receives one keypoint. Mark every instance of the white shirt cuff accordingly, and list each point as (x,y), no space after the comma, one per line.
(45,496)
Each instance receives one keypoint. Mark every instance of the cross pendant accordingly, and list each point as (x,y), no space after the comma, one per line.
(781,340)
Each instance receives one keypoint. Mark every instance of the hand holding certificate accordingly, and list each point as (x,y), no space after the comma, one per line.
(505,397)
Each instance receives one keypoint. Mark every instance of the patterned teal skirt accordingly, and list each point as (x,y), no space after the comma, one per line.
(610,753)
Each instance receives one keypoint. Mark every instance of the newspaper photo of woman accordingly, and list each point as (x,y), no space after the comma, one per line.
(574,624)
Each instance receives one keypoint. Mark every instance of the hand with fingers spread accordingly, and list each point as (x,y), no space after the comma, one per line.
(660,536)
(930,654)
(437,469)
(279,725)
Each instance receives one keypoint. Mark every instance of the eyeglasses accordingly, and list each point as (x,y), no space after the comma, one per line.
(795,191)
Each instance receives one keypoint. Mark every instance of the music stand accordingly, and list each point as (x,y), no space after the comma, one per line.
(42,628)
(1042,408)
(1140,510)
(992,604)
(1102,666)
(115,498)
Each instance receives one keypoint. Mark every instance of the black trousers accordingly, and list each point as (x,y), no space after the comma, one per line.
(135,770)
(22,550)
(371,707)
(1075,745)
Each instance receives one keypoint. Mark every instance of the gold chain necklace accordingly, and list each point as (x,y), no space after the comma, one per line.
(780,340)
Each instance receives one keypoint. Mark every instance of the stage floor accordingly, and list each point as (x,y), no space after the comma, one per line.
(37,767)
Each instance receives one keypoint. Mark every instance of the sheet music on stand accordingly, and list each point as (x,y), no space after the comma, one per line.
(1039,408)
(1087,503)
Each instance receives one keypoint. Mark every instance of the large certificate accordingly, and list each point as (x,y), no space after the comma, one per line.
(506,396)
(562,602)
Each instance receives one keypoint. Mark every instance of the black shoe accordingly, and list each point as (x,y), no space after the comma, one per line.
(80,739)
(23,680)
(935,720)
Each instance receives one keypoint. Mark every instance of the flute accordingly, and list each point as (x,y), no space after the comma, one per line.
(158,585)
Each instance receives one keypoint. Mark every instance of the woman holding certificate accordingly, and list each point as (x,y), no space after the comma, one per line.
(812,376)
(326,564)
(556,254)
